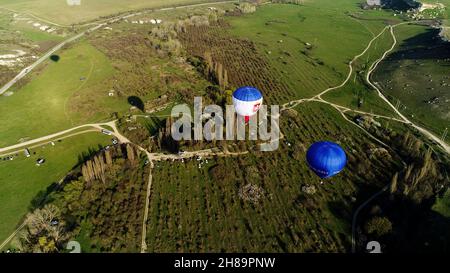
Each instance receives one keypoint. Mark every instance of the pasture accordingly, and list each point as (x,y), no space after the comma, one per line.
(22,182)
(21,31)
(60,12)
(202,206)
(296,56)
(18,35)
(416,76)
(309,46)
(90,80)
(42,106)
(356,94)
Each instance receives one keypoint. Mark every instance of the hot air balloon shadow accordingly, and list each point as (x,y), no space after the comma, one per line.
(55,58)
(136,102)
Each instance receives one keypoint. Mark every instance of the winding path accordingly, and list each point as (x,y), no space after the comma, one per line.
(294,103)
(358,210)
(424,131)
(404,119)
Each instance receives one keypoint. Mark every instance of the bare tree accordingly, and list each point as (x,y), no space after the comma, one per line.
(44,231)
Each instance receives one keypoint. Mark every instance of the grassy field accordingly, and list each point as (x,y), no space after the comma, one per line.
(301,49)
(75,89)
(63,136)
(20,35)
(356,94)
(201,208)
(21,31)
(302,43)
(194,208)
(442,205)
(62,13)
(42,106)
(21,180)
(416,75)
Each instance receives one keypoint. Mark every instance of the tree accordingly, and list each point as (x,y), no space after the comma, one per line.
(108,157)
(445,33)
(225,79)
(209,64)
(130,153)
(394,182)
(229,97)
(378,226)
(247,7)
(219,74)
(44,231)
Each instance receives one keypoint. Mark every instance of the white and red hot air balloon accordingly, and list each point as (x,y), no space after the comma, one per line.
(247,100)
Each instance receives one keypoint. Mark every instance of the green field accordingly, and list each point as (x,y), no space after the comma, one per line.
(442,205)
(302,43)
(43,105)
(21,180)
(21,35)
(12,29)
(416,75)
(74,89)
(62,13)
(356,94)
(200,209)
(308,58)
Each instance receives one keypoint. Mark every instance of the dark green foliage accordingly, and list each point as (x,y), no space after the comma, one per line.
(416,227)
(378,226)
(107,216)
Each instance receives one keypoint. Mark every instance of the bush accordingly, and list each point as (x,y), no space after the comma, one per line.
(247,8)
(378,226)
(295,2)
(445,33)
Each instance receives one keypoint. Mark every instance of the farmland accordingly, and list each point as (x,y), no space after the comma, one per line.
(91,80)
(106,216)
(421,56)
(62,13)
(21,43)
(22,178)
(44,102)
(252,201)
(17,29)
(308,60)
(356,94)
(200,208)
(288,64)
(241,45)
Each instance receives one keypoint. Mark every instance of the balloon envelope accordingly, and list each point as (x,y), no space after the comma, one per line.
(247,100)
(326,158)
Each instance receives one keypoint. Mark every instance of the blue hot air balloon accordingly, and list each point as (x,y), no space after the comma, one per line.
(326,158)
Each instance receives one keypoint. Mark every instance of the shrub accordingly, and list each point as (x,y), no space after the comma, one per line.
(247,8)
(378,226)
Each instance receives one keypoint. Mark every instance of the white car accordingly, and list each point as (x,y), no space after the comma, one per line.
(40,161)
(106,132)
